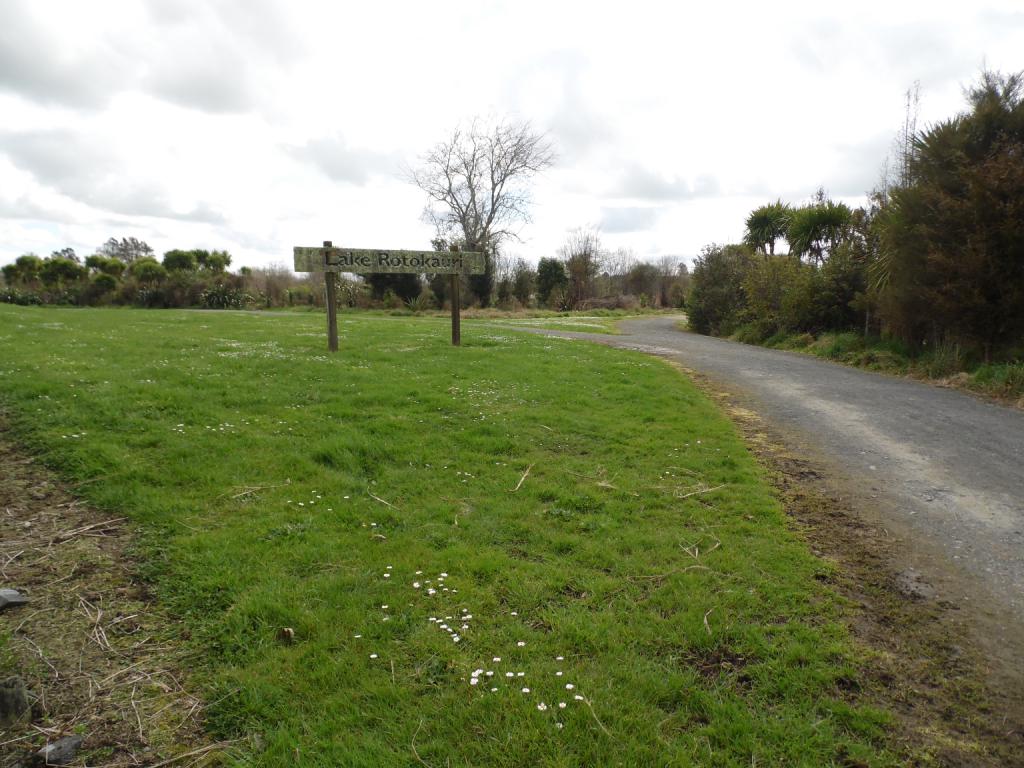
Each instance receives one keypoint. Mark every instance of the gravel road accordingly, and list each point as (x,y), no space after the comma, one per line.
(941,469)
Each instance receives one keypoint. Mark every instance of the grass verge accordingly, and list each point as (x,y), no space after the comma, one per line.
(583,519)
(577,323)
(946,365)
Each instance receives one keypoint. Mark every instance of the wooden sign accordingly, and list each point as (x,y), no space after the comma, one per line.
(331,260)
(364,261)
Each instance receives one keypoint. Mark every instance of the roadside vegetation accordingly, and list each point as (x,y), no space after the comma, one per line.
(928,278)
(946,364)
(523,551)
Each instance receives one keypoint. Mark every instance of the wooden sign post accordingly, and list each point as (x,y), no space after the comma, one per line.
(456,284)
(362,261)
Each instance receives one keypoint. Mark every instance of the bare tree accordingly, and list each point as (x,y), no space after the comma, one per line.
(477,185)
(583,257)
(667,269)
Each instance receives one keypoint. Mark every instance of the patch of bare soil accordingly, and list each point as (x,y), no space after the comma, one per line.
(925,661)
(97,658)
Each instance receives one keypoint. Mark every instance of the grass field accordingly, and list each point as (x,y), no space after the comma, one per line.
(562,523)
(577,323)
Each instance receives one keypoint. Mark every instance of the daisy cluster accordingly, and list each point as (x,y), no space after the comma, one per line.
(497,674)
(314,497)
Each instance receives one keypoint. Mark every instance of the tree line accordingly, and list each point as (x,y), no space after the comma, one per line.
(934,260)
(582,275)
(127,272)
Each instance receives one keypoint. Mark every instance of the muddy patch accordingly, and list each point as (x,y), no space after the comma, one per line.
(102,669)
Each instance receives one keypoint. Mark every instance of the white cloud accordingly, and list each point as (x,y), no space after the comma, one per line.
(620,220)
(255,125)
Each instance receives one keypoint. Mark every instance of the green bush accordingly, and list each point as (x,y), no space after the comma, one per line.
(1001,378)
(104,283)
(224,296)
(943,360)
(753,333)
(22,298)
(837,346)
(778,339)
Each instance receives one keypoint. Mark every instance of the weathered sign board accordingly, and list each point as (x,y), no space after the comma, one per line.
(363,261)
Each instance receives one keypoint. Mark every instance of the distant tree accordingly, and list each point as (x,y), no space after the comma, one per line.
(551,279)
(65,253)
(403,285)
(58,272)
(643,279)
(681,286)
(668,274)
(105,264)
(476,182)
(523,279)
(180,261)
(24,271)
(127,249)
(214,261)
(766,225)
(503,279)
(147,271)
(582,255)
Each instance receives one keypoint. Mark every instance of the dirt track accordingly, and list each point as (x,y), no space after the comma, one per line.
(939,470)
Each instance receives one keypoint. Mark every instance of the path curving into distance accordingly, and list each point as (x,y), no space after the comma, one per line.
(941,469)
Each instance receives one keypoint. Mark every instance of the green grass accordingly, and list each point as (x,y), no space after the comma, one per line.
(577,323)
(643,546)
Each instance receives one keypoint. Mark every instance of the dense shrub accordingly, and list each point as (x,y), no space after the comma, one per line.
(23,298)
(222,295)
(717,302)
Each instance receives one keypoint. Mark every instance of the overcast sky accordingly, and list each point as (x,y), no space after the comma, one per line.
(256,125)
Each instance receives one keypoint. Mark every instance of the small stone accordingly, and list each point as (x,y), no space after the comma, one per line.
(60,752)
(14,704)
(286,635)
(10,598)
(910,584)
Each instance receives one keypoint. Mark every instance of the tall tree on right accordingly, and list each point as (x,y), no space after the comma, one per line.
(766,225)
(953,237)
(816,229)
